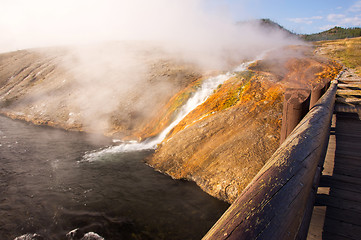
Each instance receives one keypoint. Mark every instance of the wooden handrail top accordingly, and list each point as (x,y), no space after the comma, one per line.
(273,205)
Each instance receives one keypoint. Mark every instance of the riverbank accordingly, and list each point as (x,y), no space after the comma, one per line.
(220,145)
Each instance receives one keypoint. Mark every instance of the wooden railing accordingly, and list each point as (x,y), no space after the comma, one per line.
(278,203)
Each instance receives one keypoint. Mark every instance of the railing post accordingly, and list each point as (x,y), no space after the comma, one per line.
(317,90)
(295,107)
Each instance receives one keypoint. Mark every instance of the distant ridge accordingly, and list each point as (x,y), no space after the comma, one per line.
(268,24)
(333,34)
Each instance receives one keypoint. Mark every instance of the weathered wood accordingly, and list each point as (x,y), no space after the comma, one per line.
(344,215)
(303,231)
(328,200)
(340,178)
(346,194)
(348,158)
(348,171)
(316,93)
(273,204)
(317,222)
(350,86)
(340,228)
(295,107)
(333,236)
(341,185)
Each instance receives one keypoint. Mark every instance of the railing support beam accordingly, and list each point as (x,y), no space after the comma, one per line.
(295,106)
(276,204)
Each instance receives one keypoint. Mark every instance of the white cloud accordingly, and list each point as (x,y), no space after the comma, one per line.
(356,7)
(344,20)
(353,21)
(306,20)
(336,17)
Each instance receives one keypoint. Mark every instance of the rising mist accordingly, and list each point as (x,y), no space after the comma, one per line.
(123,56)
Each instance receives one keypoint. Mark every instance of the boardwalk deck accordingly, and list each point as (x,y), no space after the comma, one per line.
(337,212)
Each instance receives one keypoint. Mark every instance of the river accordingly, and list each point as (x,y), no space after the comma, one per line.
(47,188)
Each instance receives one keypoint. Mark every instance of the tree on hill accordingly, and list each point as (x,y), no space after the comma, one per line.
(333,34)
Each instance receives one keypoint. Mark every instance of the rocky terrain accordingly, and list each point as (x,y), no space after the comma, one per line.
(112,90)
(220,145)
(347,51)
(224,142)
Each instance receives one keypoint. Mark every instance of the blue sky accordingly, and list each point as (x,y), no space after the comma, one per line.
(306,16)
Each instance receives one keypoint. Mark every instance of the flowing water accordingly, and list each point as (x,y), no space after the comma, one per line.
(199,97)
(52,182)
(46,187)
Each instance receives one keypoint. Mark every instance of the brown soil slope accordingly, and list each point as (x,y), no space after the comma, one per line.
(65,88)
(220,145)
(224,142)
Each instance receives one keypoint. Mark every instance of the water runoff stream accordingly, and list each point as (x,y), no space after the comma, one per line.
(199,97)
(53,182)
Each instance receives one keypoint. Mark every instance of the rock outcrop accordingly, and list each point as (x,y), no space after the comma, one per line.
(113,90)
(223,143)
(220,145)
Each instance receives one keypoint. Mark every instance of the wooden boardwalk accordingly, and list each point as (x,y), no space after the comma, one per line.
(337,211)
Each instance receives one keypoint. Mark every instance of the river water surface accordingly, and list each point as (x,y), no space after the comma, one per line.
(46,187)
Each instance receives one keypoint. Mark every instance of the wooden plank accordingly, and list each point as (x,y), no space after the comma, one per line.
(341,178)
(329,201)
(347,116)
(343,229)
(342,85)
(340,185)
(349,133)
(350,139)
(345,108)
(347,171)
(349,151)
(343,156)
(329,162)
(348,128)
(332,236)
(317,222)
(343,215)
(345,194)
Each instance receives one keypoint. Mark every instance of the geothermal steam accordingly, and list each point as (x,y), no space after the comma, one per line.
(105,76)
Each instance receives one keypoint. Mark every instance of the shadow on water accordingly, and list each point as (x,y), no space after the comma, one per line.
(45,188)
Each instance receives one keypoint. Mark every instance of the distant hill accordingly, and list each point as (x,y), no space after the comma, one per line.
(333,34)
(267,24)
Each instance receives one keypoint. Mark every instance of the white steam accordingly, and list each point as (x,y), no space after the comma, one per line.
(185,27)
(109,78)
(199,97)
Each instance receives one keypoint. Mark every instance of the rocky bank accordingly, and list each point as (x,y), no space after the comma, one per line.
(111,89)
(220,145)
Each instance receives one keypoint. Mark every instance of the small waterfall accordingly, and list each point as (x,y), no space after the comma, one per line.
(206,89)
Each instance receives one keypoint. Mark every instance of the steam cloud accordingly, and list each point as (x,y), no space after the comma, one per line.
(185,29)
